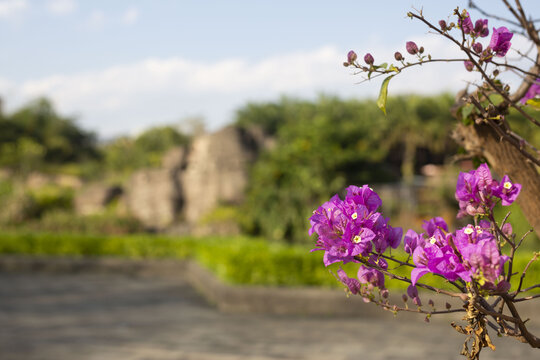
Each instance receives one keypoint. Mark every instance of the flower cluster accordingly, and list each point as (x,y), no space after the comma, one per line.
(477,192)
(469,253)
(352,229)
(498,45)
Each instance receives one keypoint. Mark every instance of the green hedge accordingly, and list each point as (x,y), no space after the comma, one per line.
(236,260)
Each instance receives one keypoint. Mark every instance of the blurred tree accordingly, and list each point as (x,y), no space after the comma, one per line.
(322,147)
(38,133)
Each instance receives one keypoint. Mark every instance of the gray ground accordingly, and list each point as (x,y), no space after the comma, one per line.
(104,316)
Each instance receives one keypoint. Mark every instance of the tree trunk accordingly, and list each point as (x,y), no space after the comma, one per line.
(505,159)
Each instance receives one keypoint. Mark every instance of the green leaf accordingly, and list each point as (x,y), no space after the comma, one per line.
(534,103)
(467,110)
(383,94)
(393,68)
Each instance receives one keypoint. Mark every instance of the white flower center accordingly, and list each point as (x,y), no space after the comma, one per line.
(354,216)
(432,240)
(507,185)
(357,239)
(468,231)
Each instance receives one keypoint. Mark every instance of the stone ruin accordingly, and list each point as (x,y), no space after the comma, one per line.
(191,182)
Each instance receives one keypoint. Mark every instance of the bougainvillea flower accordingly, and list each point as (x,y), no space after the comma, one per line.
(364,196)
(507,191)
(411,241)
(474,191)
(500,41)
(466,24)
(433,224)
(352,227)
(533,91)
(481,28)
(370,276)
(352,284)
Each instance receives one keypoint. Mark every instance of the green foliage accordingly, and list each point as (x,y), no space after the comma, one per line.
(126,154)
(321,147)
(36,134)
(19,205)
(58,221)
(236,260)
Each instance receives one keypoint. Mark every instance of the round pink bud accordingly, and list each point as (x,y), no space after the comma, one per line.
(398,56)
(368,58)
(443,25)
(411,47)
(468,65)
(477,47)
(351,57)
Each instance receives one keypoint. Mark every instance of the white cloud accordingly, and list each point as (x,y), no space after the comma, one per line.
(120,98)
(10,8)
(130,16)
(61,7)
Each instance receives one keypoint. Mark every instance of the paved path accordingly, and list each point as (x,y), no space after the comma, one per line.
(104,316)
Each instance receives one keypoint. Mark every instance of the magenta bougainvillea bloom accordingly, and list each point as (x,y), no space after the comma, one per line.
(500,41)
(481,28)
(352,227)
(352,284)
(478,249)
(434,254)
(477,191)
(353,230)
(466,24)
(533,91)
(411,47)
(507,191)
(370,276)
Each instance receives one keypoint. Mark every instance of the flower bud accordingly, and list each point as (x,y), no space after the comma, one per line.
(351,57)
(404,298)
(477,47)
(421,50)
(469,65)
(507,229)
(448,306)
(368,58)
(411,47)
(496,72)
(442,24)
(398,56)
(481,28)
(346,64)
(431,303)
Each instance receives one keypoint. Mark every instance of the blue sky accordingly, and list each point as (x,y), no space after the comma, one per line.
(122,66)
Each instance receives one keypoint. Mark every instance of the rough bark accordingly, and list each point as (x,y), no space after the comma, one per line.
(505,159)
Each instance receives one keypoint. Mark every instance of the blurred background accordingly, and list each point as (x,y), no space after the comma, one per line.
(211,130)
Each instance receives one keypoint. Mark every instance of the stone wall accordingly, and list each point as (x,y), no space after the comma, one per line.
(217,171)
(190,183)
